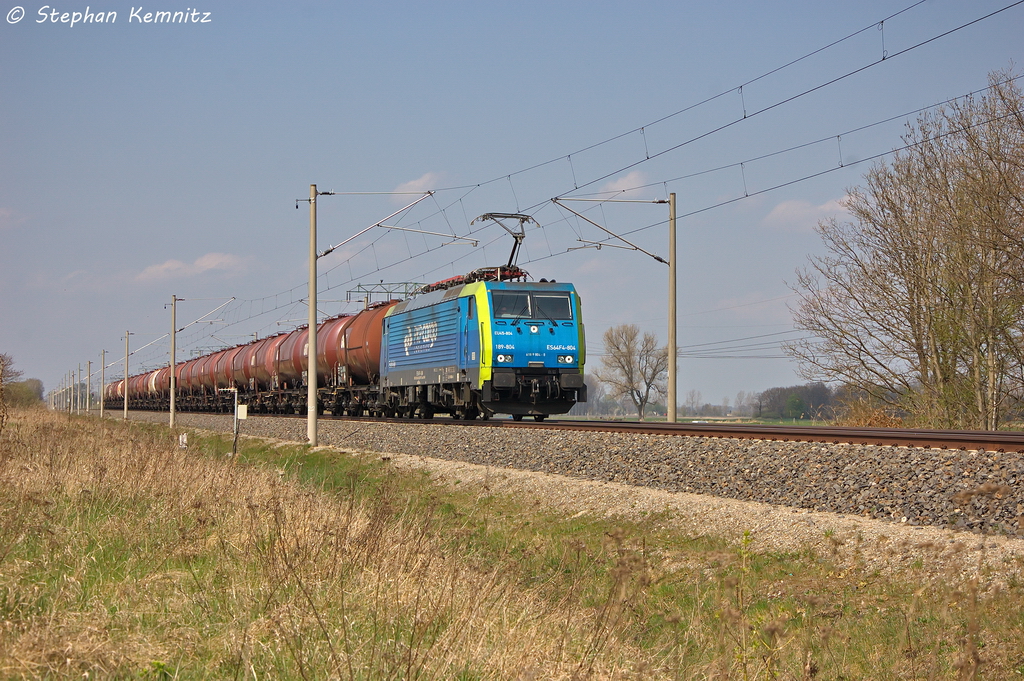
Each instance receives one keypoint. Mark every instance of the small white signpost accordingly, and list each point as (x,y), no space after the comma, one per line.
(241,413)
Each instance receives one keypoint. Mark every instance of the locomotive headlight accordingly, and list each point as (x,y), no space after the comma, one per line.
(565,359)
(503,359)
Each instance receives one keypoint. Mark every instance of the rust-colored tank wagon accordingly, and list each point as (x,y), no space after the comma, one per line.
(266,362)
(331,354)
(114,391)
(179,376)
(243,368)
(160,382)
(137,387)
(129,388)
(223,372)
(190,376)
(362,343)
(204,368)
(291,360)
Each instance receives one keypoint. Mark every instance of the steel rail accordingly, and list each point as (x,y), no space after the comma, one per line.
(995,441)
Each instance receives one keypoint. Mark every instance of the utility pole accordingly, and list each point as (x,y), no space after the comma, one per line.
(88,389)
(671,262)
(126,334)
(311,363)
(672,379)
(78,391)
(174,329)
(103,378)
(311,401)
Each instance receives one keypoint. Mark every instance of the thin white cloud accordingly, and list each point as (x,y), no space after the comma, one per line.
(626,185)
(211,262)
(7,219)
(799,216)
(421,184)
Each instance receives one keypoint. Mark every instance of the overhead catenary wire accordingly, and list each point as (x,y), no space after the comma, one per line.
(792,98)
(796,147)
(819,86)
(707,100)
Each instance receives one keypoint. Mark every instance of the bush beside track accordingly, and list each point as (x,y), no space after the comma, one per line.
(966,490)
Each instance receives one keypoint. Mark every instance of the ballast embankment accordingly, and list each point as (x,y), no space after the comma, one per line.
(980,491)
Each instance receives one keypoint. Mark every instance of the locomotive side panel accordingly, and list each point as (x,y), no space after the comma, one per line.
(425,345)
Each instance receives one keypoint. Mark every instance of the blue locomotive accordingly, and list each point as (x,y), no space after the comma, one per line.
(497,346)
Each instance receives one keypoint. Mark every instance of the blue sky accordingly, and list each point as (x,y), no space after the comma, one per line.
(143,160)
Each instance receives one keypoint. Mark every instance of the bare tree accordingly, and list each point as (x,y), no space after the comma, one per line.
(7,375)
(633,366)
(693,402)
(918,302)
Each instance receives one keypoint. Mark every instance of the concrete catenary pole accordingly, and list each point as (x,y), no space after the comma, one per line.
(174,331)
(126,334)
(78,391)
(672,397)
(311,401)
(88,388)
(103,378)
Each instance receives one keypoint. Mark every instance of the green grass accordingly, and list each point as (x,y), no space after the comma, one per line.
(124,557)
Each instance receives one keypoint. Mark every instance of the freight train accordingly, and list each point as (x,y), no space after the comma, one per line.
(485,343)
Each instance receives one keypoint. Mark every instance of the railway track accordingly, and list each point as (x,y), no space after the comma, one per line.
(993,441)
(961,480)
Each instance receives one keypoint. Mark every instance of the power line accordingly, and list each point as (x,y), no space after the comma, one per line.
(690,107)
(804,145)
(292,292)
(804,93)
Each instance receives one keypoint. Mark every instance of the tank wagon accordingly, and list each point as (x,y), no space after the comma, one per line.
(486,343)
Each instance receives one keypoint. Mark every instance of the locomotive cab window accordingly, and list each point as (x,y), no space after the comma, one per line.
(511,304)
(552,305)
(526,305)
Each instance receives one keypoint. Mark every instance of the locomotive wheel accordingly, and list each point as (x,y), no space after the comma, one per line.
(517,417)
(540,417)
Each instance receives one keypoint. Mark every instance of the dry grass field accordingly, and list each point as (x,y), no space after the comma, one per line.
(123,556)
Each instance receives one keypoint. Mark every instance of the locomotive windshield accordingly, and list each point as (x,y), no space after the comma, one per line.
(553,305)
(511,304)
(523,304)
